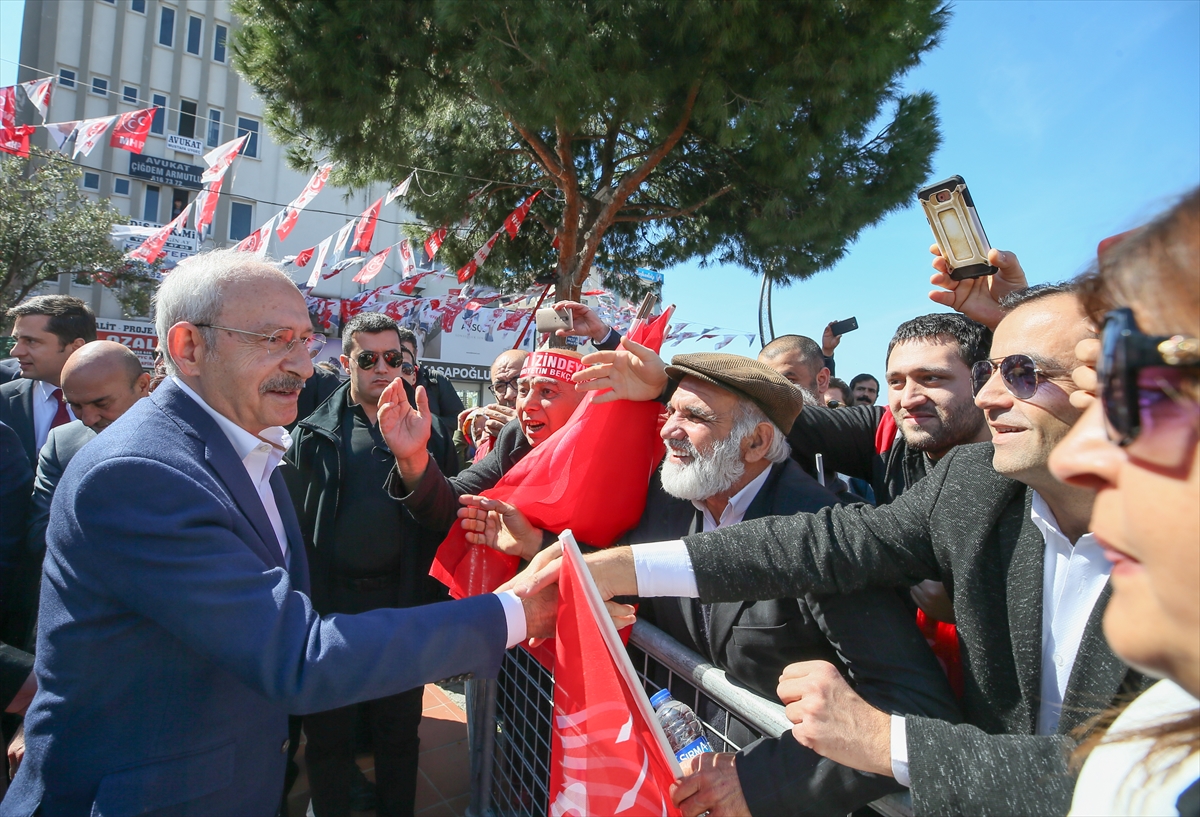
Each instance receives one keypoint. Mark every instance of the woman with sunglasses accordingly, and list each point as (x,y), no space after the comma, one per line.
(1138,446)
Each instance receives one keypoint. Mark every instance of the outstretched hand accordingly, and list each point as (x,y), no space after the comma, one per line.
(406,429)
(978,298)
(632,372)
(498,525)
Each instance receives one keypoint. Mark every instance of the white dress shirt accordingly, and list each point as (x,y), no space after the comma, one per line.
(259,454)
(261,458)
(44,409)
(1073,578)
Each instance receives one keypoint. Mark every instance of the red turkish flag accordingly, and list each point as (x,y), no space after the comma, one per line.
(131,130)
(434,242)
(608,754)
(611,444)
(372,267)
(365,230)
(512,223)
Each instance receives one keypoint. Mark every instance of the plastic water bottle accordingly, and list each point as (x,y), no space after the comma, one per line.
(684,731)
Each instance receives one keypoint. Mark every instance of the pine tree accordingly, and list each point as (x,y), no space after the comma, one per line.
(765,134)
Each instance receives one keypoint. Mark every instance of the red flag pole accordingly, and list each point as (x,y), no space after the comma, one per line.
(532,315)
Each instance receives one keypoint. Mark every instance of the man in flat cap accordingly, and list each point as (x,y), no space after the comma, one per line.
(727,460)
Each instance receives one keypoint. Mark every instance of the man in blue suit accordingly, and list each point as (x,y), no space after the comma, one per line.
(175,631)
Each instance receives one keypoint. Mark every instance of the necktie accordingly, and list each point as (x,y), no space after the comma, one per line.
(60,416)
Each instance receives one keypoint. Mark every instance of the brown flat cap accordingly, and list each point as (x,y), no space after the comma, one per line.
(747,378)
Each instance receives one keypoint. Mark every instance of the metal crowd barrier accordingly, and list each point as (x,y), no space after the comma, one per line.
(509,721)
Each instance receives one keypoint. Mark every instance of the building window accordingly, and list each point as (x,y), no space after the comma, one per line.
(214,127)
(120,187)
(111,2)
(240,217)
(91,181)
(193,35)
(160,115)
(99,86)
(251,127)
(138,5)
(150,205)
(66,78)
(219,35)
(166,27)
(130,95)
(187,119)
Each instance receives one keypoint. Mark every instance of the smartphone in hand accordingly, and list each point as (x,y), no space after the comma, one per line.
(950,211)
(839,328)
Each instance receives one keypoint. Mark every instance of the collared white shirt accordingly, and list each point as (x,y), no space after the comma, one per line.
(44,409)
(739,503)
(259,457)
(1073,578)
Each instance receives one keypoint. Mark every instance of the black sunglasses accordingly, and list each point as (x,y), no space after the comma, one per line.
(1125,351)
(394,360)
(1019,372)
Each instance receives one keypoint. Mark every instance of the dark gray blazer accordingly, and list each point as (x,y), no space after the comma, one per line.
(61,445)
(969,527)
(16,412)
(870,635)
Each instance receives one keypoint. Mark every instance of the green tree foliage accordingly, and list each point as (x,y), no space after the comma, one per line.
(48,227)
(764,133)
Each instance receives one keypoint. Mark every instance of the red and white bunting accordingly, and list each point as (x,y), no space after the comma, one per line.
(310,191)
(471,267)
(88,134)
(303,257)
(258,240)
(372,267)
(366,227)
(221,157)
(151,250)
(60,132)
(8,107)
(408,264)
(399,190)
(435,241)
(38,92)
(16,140)
(319,264)
(206,206)
(131,130)
(512,223)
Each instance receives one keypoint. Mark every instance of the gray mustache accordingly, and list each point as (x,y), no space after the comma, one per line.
(283,382)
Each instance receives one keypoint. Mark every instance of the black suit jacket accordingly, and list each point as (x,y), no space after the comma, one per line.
(10,369)
(16,412)
(969,527)
(870,635)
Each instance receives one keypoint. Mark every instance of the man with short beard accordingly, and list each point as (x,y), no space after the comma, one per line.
(727,460)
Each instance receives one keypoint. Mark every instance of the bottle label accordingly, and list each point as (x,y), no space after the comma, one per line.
(697,747)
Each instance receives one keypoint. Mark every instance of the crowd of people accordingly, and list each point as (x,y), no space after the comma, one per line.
(985,592)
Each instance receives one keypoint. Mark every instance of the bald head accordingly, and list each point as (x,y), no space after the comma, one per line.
(101,381)
(801,361)
(505,371)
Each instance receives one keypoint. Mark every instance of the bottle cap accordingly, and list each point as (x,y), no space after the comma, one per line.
(659,698)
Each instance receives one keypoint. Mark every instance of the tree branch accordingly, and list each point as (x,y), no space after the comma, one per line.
(673,213)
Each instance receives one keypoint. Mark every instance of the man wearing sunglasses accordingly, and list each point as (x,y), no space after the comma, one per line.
(1029,586)
(364,553)
(176,629)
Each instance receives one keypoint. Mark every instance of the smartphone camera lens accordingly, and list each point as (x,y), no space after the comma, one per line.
(943,196)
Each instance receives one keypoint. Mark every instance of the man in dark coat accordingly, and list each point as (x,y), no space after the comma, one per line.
(728,460)
(364,553)
(1029,586)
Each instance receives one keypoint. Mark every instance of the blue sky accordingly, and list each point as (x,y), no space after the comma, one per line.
(1071,121)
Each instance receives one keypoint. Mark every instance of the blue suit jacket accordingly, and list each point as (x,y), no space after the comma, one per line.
(174,642)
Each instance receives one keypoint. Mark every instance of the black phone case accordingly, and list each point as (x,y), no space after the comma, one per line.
(970,270)
(842,327)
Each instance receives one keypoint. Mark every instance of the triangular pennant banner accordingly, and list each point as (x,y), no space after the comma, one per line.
(38,92)
(292,214)
(8,107)
(408,264)
(60,132)
(89,132)
(206,206)
(150,250)
(434,242)
(512,224)
(131,130)
(315,275)
(399,190)
(221,157)
(372,267)
(366,227)
(471,267)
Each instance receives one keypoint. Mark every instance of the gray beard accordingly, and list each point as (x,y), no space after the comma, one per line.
(707,474)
